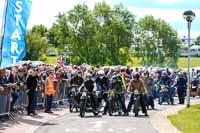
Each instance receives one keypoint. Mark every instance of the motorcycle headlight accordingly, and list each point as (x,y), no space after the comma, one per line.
(84,94)
(136,92)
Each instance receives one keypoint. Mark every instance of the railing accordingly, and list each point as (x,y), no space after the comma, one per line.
(62,91)
(5,102)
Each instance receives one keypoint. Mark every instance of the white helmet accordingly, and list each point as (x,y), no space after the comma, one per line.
(101,72)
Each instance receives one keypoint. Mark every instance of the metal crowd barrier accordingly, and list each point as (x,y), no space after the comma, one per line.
(61,97)
(5,102)
(62,92)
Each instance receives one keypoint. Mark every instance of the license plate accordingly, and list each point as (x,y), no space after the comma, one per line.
(73,89)
(84,94)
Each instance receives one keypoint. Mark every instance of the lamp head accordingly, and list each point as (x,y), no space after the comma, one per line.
(189,15)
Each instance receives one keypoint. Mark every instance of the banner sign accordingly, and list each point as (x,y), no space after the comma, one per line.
(14,30)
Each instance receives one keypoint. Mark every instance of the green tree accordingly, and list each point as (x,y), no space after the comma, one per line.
(82,35)
(198,40)
(160,41)
(36,43)
(59,32)
(115,32)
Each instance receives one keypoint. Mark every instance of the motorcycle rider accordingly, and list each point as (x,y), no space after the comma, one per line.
(117,87)
(165,80)
(76,82)
(137,84)
(102,83)
(77,79)
(149,84)
(90,85)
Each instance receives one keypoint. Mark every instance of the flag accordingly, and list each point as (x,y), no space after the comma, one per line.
(60,60)
(16,16)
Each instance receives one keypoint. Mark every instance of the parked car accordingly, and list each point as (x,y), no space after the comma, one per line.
(194,51)
(51,52)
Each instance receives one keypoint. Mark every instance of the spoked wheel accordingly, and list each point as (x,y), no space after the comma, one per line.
(82,108)
(111,107)
(71,104)
(136,109)
(136,114)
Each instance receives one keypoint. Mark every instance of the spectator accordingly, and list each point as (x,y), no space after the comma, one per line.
(32,82)
(49,92)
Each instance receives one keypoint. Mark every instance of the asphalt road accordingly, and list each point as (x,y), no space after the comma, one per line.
(72,123)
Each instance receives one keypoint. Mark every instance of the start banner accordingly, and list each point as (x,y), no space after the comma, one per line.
(13,48)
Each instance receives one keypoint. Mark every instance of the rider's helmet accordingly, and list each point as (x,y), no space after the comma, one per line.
(101,73)
(88,76)
(146,73)
(164,74)
(180,74)
(136,75)
(115,78)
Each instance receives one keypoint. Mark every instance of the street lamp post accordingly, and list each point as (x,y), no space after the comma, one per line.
(189,17)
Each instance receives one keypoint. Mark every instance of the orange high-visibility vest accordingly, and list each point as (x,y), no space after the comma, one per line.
(50,88)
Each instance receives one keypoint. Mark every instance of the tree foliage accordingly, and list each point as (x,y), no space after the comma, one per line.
(159,40)
(106,35)
(37,43)
(198,40)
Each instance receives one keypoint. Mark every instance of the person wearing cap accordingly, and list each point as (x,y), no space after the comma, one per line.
(49,92)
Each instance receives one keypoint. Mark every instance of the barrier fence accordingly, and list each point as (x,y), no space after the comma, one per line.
(61,97)
(5,102)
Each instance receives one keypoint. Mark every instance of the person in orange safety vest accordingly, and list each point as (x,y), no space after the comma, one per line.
(49,92)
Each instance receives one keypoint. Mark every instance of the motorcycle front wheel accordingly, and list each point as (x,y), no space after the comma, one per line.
(82,108)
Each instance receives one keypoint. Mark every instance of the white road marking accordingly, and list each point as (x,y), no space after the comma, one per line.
(110,130)
(127,129)
(71,130)
(98,124)
(67,130)
(94,130)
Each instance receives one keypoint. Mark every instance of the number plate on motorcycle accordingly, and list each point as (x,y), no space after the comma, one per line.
(84,94)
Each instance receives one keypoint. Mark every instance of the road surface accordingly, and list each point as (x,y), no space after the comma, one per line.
(72,123)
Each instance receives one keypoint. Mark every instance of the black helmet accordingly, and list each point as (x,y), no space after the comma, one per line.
(115,78)
(136,75)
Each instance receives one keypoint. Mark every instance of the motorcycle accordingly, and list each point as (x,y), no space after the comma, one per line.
(114,103)
(136,107)
(164,95)
(86,103)
(74,99)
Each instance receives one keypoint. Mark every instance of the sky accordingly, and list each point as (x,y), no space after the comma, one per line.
(44,11)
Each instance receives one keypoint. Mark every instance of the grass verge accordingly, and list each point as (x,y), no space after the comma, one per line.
(187,120)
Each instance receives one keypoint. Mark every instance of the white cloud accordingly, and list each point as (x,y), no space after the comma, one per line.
(182,33)
(172,16)
(1,12)
(169,15)
(44,11)
(168,1)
